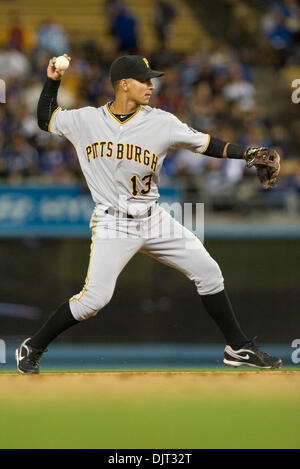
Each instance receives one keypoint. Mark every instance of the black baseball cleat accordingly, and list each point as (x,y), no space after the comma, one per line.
(28,358)
(249,354)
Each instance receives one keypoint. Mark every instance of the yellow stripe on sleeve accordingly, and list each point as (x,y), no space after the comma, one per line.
(206,146)
(50,122)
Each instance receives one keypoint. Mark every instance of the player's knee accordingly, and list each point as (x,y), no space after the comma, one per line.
(102,300)
(212,282)
(88,307)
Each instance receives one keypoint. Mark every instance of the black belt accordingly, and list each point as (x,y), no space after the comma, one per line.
(118,214)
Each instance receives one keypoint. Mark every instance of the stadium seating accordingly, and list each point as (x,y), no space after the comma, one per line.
(88,20)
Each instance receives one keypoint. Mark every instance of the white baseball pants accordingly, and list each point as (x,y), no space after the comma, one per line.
(115,241)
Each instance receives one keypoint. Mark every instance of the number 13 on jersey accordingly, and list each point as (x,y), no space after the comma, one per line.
(147,184)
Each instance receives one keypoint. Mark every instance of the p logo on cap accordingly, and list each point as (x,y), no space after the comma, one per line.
(146,62)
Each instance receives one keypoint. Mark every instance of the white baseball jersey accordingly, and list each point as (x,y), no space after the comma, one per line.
(122,160)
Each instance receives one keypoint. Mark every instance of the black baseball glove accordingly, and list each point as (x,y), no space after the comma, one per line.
(267,163)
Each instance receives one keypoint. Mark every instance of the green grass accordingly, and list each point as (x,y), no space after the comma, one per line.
(195,424)
(140,410)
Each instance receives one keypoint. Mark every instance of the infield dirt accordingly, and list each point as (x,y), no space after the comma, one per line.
(118,384)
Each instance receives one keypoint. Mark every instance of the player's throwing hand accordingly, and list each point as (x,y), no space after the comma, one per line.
(53,72)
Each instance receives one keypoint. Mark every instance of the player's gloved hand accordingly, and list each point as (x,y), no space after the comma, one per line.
(267,163)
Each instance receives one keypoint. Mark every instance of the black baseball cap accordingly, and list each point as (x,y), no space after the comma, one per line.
(132,66)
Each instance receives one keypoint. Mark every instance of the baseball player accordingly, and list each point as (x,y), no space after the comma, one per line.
(121,147)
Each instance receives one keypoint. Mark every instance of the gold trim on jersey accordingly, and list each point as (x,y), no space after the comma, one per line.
(126,120)
(84,290)
(206,146)
(50,122)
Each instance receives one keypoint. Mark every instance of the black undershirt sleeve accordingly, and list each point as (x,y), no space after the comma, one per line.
(216,149)
(236,151)
(47,103)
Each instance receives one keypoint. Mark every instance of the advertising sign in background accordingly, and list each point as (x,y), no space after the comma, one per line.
(53,211)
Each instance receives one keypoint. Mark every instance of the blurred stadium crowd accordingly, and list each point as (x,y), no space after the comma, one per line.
(213,91)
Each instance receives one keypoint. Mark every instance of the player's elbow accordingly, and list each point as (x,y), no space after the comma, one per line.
(42,124)
(42,118)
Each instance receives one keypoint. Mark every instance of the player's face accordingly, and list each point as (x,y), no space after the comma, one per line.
(139,91)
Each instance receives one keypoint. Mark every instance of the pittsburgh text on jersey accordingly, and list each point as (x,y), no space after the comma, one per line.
(120,151)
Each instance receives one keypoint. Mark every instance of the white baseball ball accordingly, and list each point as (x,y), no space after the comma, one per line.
(61,63)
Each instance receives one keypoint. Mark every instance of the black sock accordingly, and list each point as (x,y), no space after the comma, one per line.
(58,322)
(219,308)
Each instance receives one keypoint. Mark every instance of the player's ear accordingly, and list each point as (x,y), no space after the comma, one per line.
(124,84)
